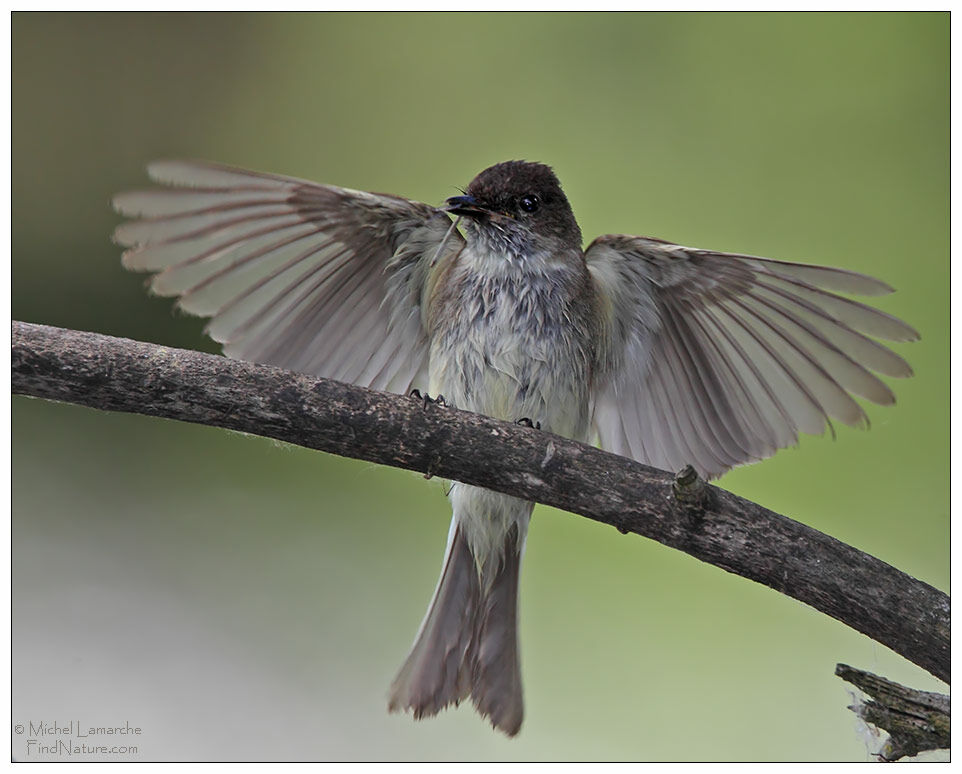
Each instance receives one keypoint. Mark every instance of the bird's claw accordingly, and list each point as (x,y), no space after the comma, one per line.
(427,400)
(525,422)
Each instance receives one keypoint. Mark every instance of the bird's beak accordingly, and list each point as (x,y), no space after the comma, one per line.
(465,205)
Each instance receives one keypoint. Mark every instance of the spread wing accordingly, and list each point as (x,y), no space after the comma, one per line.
(309,277)
(716,359)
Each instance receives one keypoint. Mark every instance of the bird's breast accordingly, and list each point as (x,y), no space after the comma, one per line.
(515,345)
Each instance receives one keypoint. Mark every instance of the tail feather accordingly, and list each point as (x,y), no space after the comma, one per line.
(432,675)
(496,667)
(468,641)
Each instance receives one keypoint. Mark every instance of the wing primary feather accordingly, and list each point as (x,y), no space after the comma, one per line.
(880,358)
(248,237)
(361,326)
(274,306)
(844,280)
(833,388)
(407,369)
(189,225)
(321,317)
(740,413)
(758,414)
(651,446)
(386,354)
(723,334)
(314,251)
(296,336)
(301,215)
(625,407)
(388,365)
(348,324)
(865,318)
(779,363)
(243,261)
(688,364)
(356,276)
(720,414)
(850,372)
(221,247)
(195,175)
(645,453)
(680,427)
(163,205)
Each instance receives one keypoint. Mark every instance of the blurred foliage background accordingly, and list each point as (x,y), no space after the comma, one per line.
(237,599)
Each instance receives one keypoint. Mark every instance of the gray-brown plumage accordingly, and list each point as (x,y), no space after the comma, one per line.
(667,354)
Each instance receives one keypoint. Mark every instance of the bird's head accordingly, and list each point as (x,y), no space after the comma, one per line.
(518,207)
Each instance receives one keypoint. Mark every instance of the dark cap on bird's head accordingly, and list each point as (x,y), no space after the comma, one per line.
(517,197)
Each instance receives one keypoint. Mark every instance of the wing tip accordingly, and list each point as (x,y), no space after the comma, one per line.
(869,285)
(122,236)
(124,203)
(178,172)
(127,260)
(911,333)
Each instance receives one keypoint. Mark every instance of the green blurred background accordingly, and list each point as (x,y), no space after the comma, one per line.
(239,599)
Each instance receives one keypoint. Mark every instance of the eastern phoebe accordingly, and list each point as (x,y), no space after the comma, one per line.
(667,354)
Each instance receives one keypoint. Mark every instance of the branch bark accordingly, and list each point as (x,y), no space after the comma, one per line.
(907,615)
(916,721)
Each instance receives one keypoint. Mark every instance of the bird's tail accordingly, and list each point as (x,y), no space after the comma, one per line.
(468,641)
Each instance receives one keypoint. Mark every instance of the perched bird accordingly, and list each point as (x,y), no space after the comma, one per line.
(667,354)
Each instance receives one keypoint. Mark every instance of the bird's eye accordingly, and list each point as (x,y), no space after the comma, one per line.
(529,203)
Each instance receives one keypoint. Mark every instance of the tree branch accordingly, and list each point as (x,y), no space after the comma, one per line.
(709,523)
(915,720)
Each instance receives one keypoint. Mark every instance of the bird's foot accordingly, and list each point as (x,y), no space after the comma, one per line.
(427,400)
(525,422)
